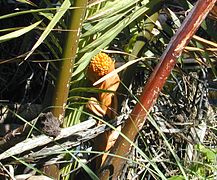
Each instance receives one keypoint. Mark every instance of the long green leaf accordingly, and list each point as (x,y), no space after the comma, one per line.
(18,33)
(27,2)
(64,7)
(107,37)
(112,33)
(102,25)
(113,7)
(26,12)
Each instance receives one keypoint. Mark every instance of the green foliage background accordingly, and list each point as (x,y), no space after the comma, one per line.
(32,42)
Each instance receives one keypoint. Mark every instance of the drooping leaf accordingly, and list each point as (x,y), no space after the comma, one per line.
(19,32)
(64,7)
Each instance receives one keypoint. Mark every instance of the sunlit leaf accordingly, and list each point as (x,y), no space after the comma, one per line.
(18,33)
(64,7)
(27,2)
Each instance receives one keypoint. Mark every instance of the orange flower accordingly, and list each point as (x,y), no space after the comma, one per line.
(100,65)
(106,103)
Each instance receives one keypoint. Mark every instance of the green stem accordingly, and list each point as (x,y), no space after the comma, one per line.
(64,74)
(62,84)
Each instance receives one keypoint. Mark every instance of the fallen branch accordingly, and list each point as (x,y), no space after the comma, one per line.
(31,143)
(71,137)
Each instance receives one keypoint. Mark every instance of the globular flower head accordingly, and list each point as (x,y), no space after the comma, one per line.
(100,65)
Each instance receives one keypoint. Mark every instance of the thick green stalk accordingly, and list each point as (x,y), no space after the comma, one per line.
(64,74)
(113,165)
(69,53)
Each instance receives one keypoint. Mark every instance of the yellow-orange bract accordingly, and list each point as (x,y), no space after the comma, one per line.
(100,65)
